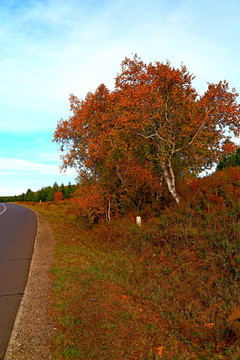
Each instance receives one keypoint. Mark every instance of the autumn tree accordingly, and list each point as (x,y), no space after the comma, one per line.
(178,127)
(154,120)
(58,196)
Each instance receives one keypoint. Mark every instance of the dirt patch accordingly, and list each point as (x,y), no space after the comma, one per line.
(33,328)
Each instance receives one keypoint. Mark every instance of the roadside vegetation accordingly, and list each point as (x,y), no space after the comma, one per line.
(166,290)
(170,288)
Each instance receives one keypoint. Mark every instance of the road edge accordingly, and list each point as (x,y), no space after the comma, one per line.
(18,345)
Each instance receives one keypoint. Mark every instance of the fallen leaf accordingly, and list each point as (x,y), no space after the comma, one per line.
(160,350)
(124,296)
(209,325)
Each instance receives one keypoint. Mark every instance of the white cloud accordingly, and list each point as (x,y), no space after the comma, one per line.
(11,166)
(56,48)
(49,49)
(18,175)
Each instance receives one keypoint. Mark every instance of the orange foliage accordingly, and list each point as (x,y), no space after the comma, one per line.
(153,127)
(222,188)
(58,196)
(90,201)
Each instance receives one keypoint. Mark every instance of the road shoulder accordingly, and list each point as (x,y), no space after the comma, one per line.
(33,327)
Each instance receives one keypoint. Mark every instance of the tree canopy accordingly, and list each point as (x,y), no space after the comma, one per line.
(230,160)
(150,129)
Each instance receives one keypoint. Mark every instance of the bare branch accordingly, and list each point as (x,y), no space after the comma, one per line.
(155,135)
(119,175)
(193,138)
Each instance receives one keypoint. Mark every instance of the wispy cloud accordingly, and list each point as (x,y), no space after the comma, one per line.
(13,166)
(18,175)
(50,49)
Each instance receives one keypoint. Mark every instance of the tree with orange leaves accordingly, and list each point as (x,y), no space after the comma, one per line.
(58,196)
(154,119)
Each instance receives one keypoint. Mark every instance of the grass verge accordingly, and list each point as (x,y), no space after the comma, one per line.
(168,290)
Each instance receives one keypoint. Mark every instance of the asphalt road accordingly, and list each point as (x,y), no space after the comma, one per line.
(18,228)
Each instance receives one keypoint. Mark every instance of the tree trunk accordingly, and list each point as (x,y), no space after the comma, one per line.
(170,180)
(109,211)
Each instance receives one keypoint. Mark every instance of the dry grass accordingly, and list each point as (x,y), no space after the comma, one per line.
(169,290)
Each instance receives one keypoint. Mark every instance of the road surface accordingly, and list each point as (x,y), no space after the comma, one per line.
(18,228)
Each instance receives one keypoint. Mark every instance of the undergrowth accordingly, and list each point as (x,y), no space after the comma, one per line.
(166,290)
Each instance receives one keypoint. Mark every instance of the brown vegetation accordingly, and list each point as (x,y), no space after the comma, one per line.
(168,290)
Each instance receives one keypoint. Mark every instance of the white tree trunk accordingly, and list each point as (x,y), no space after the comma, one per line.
(109,211)
(170,180)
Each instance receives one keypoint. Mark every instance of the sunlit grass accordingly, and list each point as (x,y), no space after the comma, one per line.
(122,291)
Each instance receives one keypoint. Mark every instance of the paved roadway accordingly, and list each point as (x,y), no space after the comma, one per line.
(18,228)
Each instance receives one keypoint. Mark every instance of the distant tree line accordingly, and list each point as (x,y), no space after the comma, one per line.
(49,193)
(230,161)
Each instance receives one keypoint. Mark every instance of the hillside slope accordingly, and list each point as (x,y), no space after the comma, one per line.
(167,290)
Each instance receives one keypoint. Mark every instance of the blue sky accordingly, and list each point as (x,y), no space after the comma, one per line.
(52,48)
